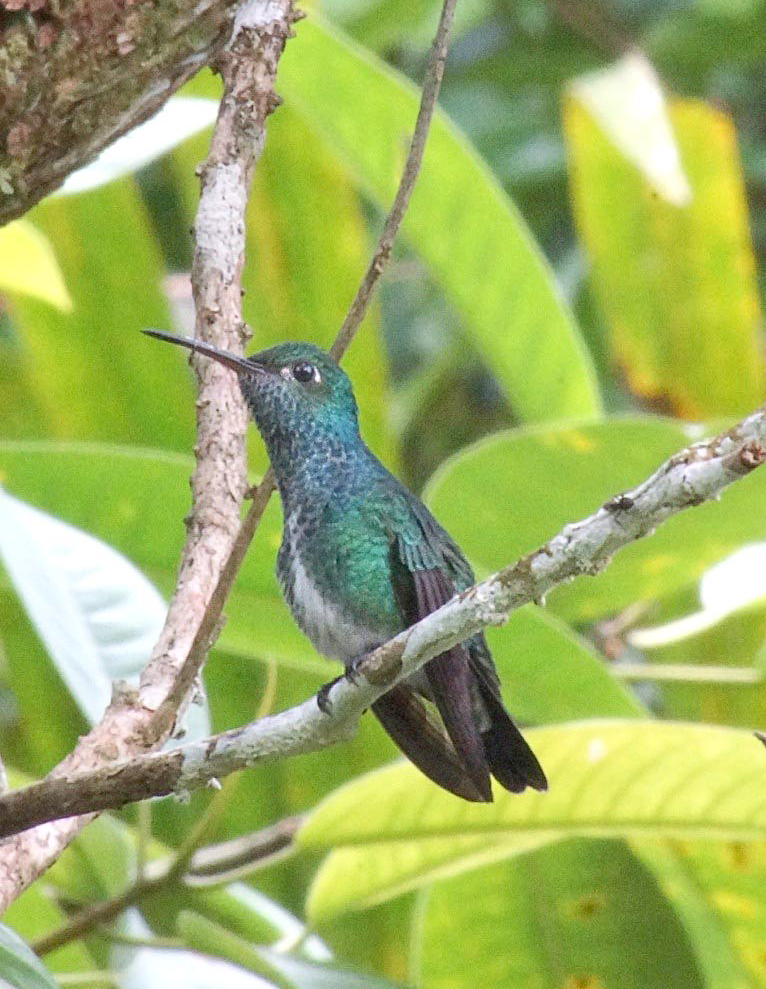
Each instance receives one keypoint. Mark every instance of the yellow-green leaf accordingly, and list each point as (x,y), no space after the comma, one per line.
(28,266)
(676,286)
(605,921)
(392,828)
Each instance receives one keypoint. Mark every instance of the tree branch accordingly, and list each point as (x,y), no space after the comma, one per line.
(139,720)
(694,475)
(79,74)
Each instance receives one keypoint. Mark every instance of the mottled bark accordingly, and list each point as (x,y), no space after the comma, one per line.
(76,74)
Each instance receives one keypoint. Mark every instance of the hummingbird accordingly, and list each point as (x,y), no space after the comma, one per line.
(362,559)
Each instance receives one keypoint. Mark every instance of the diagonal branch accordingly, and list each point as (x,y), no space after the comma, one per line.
(694,475)
(130,725)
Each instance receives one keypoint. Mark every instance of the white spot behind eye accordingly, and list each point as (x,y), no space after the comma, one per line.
(286,373)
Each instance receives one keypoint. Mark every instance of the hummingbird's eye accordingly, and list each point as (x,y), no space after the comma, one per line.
(303,372)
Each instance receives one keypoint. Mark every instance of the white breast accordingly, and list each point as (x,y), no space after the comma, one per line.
(329,630)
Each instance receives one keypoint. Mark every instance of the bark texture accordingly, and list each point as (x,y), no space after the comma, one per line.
(76,74)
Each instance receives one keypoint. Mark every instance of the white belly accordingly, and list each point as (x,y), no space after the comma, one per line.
(331,633)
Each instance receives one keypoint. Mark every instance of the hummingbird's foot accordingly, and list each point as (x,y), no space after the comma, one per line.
(352,668)
(351,674)
(323,696)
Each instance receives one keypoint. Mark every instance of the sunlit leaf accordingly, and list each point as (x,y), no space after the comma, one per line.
(627,102)
(28,266)
(605,922)
(97,615)
(179,118)
(608,778)
(677,286)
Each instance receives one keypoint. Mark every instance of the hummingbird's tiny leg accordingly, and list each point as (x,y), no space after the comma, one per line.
(323,696)
(352,667)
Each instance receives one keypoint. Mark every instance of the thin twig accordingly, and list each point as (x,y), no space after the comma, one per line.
(208,866)
(689,478)
(233,859)
(431,86)
(686,673)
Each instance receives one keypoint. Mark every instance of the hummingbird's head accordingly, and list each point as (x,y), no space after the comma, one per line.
(299,387)
(293,390)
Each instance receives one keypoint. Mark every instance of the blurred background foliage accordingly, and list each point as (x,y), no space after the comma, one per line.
(577,293)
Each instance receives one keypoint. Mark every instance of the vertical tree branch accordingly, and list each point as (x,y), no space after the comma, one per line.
(130,724)
(354,316)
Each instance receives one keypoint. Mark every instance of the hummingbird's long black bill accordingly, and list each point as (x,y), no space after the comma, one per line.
(239,364)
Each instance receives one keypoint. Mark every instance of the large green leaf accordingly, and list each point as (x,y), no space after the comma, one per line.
(605,778)
(508,494)
(460,221)
(577,913)
(90,369)
(717,892)
(677,286)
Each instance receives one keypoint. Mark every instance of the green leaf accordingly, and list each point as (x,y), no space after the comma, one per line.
(578,913)
(508,494)
(614,779)
(459,221)
(548,673)
(20,967)
(717,892)
(28,266)
(677,286)
(97,615)
(91,370)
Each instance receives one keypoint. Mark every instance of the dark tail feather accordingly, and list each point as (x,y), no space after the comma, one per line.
(452,688)
(511,761)
(404,717)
